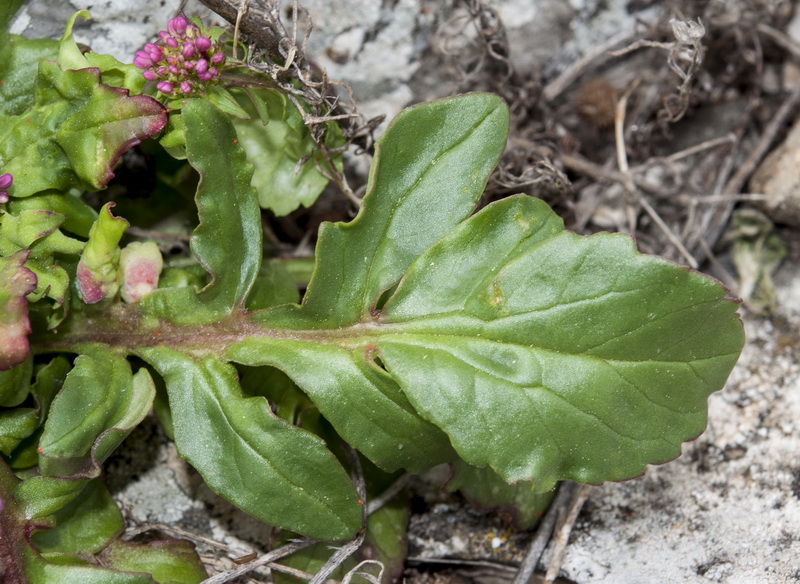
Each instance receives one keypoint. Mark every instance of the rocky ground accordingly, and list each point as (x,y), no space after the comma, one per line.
(698,105)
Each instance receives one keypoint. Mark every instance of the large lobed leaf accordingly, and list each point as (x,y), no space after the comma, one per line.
(430,168)
(503,340)
(418,190)
(541,354)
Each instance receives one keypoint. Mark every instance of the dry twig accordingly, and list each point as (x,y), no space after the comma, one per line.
(562,532)
(563,500)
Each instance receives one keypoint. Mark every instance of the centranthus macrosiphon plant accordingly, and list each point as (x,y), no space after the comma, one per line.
(517,352)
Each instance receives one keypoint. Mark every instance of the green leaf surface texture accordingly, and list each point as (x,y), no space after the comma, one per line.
(540,353)
(227,241)
(75,131)
(168,561)
(21,563)
(86,525)
(418,190)
(521,502)
(276,149)
(79,217)
(548,356)
(277,472)
(98,405)
(430,168)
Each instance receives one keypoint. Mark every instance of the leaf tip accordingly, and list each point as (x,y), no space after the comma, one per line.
(16,282)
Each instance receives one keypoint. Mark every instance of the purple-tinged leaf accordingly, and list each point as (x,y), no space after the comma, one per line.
(96,277)
(140,266)
(16,282)
(21,562)
(75,131)
(37,230)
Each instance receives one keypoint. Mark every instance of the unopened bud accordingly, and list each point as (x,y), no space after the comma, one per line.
(140,266)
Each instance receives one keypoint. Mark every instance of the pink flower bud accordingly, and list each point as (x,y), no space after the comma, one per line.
(188,65)
(142,60)
(6,181)
(149,75)
(177,26)
(186,87)
(171,42)
(165,87)
(174,69)
(213,72)
(140,266)
(188,51)
(154,51)
(163,35)
(163,71)
(218,58)
(202,44)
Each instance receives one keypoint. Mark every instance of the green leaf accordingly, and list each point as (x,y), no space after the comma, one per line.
(550,356)
(276,472)
(273,286)
(276,141)
(19,61)
(116,73)
(228,211)
(84,526)
(386,539)
(79,217)
(15,384)
(168,561)
(224,100)
(22,563)
(430,167)
(483,487)
(418,190)
(7,11)
(541,354)
(19,426)
(16,281)
(98,406)
(38,230)
(20,423)
(96,277)
(362,402)
(75,131)
(70,55)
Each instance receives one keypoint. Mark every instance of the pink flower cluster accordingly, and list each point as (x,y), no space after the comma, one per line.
(6,180)
(183,61)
